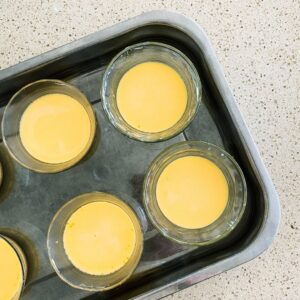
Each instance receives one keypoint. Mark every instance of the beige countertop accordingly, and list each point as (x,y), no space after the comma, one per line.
(258,45)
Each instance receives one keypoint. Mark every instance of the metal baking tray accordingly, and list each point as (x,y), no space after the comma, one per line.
(29,200)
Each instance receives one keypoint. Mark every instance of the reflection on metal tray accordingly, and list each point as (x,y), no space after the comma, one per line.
(29,200)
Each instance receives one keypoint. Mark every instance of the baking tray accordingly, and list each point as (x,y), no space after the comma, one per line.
(29,200)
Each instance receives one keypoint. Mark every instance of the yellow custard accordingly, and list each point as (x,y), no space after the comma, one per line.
(192,192)
(55,128)
(151,97)
(11,275)
(99,238)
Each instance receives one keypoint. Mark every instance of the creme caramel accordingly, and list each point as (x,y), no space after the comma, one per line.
(11,273)
(151,97)
(192,192)
(99,238)
(55,128)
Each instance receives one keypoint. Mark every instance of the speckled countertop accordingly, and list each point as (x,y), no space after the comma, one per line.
(258,45)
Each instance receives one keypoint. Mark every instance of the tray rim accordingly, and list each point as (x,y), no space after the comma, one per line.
(269,228)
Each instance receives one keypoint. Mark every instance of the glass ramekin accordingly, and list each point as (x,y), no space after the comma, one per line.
(236,200)
(64,267)
(14,111)
(22,260)
(150,52)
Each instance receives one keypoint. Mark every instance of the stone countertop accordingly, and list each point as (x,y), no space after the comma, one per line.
(258,45)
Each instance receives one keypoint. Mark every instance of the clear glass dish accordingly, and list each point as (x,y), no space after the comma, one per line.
(60,261)
(236,200)
(22,260)
(154,52)
(14,111)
